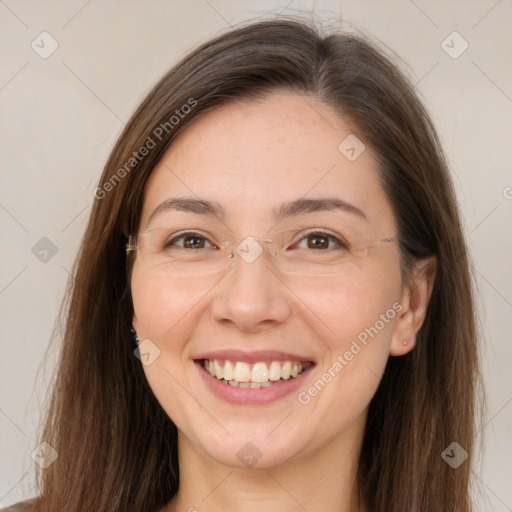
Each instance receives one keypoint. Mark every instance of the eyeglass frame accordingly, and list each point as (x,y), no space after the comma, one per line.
(130,247)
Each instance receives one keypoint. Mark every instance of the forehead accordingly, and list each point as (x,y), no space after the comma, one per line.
(251,156)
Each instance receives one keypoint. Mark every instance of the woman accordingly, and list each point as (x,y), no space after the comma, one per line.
(272,307)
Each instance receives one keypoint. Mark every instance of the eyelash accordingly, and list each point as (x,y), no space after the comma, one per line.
(341,243)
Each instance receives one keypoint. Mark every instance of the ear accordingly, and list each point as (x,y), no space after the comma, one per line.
(415,298)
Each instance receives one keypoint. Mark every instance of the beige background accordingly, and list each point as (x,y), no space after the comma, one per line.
(61,116)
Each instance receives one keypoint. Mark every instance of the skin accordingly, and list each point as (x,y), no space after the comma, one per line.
(269,151)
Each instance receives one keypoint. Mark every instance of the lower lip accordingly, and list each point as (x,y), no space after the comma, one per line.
(251,396)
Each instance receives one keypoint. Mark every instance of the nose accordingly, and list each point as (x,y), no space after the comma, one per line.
(252,294)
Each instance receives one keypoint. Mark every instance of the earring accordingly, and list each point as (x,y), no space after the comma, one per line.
(134,335)
(405,342)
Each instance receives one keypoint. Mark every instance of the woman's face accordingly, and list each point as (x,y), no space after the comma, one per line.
(338,327)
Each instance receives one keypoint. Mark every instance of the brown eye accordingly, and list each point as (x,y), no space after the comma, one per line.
(189,241)
(320,240)
(193,242)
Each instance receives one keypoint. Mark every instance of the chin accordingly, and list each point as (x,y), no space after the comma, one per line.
(252,450)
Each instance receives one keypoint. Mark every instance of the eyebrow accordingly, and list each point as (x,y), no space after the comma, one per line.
(285,210)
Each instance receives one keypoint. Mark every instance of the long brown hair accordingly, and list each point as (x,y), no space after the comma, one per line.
(117,448)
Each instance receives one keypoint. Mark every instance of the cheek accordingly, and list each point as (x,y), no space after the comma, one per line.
(360,314)
(161,305)
(164,311)
(356,307)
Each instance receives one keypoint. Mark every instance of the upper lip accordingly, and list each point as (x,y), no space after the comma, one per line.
(253,357)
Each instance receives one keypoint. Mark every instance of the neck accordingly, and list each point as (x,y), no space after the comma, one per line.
(323,480)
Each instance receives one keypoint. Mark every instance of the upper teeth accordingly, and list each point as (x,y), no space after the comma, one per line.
(260,373)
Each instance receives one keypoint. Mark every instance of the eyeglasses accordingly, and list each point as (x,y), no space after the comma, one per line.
(196,255)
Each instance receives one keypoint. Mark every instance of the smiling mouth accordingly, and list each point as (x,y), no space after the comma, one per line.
(258,375)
